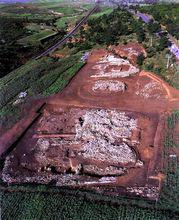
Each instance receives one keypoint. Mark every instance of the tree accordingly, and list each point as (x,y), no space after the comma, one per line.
(151,52)
(163,43)
(140,59)
(153,27)
(10,57)
(140,35)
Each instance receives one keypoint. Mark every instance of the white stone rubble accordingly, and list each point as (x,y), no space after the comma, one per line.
(111,86)
(100,131)
(151,192)
(147,91)
(22,95)
(111,60)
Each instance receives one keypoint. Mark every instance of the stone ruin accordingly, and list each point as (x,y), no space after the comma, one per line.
(109,85)
(131,51)
(103,133)
(101,146)
(119,67)
(150,90)
(151,192)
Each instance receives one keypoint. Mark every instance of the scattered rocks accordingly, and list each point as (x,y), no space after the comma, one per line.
(125,68)
(149,91)
(22,95)
(103,132)
(151,192)
(96,170)
(20,98)
(111,86)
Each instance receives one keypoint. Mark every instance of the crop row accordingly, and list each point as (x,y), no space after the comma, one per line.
(22,78)
(56,206)
(63,79)
(170,194)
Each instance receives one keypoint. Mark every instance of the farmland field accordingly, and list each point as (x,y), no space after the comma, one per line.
(60,206)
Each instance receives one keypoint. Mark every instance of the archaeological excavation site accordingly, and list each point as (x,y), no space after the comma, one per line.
(103,132)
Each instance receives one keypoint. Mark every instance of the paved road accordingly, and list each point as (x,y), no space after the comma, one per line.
(73,31)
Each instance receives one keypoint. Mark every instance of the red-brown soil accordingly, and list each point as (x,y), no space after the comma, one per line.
(130,50)
(148,99)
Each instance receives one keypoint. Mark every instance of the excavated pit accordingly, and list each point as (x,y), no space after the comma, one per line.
(96,142)
(103,132)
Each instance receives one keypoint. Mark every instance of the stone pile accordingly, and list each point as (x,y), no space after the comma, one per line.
(151,192)
(148,91)
(111,86)
(103,132)
(20,98)
(111,60)
(110,170)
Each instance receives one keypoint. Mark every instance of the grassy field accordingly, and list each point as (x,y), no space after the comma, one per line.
(36,37)
(62,22)
(104,11)
(42,77)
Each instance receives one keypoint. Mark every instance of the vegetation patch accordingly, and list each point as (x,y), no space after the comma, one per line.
(38,77)
(63,79)
(166,14)
(36,38)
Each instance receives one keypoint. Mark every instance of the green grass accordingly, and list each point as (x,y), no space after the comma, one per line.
(22,78)
(61,22)
(68,10)
(104,11)
(38,77)
(60,75)
(36,38)
(175,80)
(170,193)
(66,21)
(37,27)
(63,79)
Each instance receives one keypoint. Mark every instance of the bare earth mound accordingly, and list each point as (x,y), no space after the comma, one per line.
(130,50)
